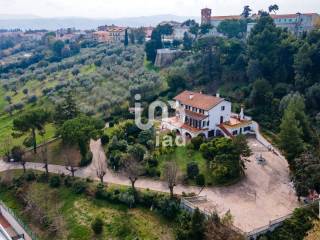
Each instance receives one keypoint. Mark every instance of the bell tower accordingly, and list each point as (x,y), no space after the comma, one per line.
(206,16)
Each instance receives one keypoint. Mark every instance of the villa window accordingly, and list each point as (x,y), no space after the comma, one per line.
(235,132)
(246,129)
(223,108)
(208,123)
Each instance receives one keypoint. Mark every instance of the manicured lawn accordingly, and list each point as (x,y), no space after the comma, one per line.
(183,156)
(78,212)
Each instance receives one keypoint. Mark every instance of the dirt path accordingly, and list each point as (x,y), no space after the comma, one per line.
(264,195)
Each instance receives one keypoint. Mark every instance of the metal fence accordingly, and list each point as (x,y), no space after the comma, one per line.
(19,221)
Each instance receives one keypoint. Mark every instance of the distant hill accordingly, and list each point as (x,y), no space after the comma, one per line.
(10,22)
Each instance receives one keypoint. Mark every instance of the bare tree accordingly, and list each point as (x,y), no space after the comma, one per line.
(132,169)
(43,155)
(6,146)
(43,208)
(70,157)
(101,166)
(171,175)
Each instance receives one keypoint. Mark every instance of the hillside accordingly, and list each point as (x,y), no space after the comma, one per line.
(22,22)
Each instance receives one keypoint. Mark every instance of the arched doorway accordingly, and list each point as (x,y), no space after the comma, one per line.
(178,132)
(188,135)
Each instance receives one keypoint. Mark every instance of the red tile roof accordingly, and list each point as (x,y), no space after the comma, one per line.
(198,100)
(274,16)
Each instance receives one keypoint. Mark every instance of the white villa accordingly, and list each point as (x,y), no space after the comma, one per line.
(209,116)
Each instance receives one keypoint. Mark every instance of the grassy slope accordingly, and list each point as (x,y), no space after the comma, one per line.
(6,121)
(79,211)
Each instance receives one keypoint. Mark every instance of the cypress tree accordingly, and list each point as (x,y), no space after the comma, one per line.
(290,137)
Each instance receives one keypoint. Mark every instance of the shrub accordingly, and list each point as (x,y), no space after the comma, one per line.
(152,172)
(152,162)
(42,178)
(200,180)
(85,161)
(196,142)
(30,176)
(18,106)
(168,208)
(104,139)
(127,198)
(17,153)
(100,192)
(79,187)
(114,160)
(147,199)
(55,181)
(32,99)
(192,170)
(97,226)
(68,181)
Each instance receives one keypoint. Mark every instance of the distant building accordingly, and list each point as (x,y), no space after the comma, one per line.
(209,116)
(110,34)
(178,30)
(34,35)
(148,32)
(295,23)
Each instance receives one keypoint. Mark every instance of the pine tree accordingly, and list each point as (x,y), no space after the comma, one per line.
(290,137)
(66,110)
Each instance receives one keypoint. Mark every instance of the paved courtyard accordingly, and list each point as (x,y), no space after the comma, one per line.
(264,195)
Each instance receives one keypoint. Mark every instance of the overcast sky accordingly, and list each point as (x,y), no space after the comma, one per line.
(133,8)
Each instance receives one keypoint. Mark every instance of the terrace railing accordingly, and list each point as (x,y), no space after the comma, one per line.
(7,211)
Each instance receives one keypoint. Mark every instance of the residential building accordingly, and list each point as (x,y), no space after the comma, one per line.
(179,30)
(296,23)
(148,31)
(34,35)
(209,116)
(110,34)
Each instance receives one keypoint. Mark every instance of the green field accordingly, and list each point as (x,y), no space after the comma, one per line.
(78,212)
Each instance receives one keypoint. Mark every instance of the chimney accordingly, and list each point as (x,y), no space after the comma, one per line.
(241,115)
(217,95)
(191,96)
